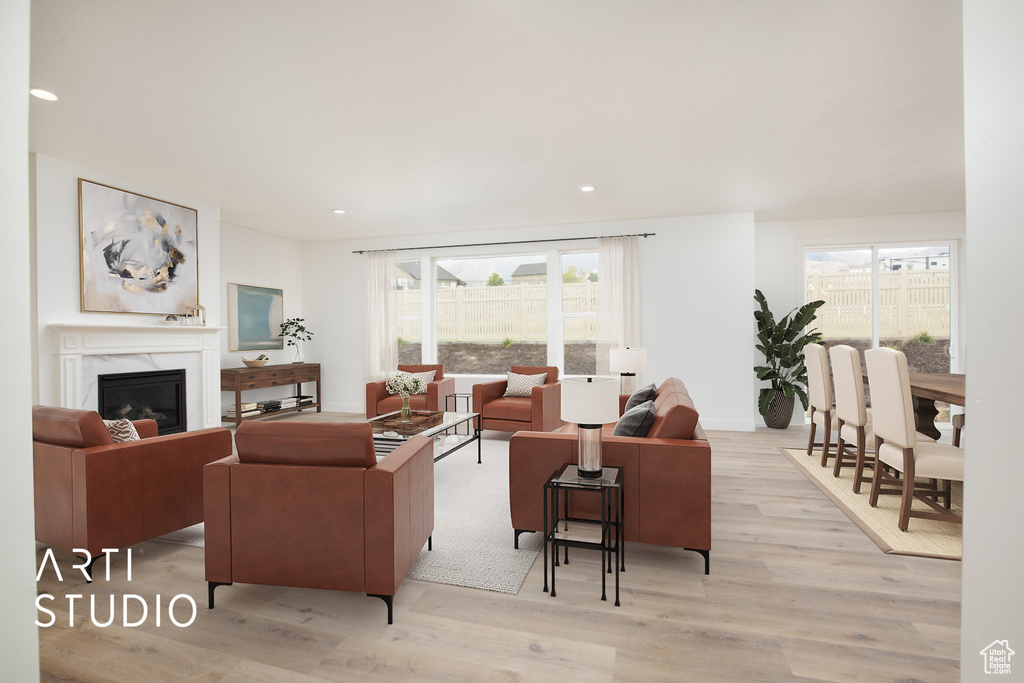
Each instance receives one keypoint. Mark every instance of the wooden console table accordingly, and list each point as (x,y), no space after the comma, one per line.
(246,379)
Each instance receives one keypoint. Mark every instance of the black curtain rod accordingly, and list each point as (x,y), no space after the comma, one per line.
(495,244)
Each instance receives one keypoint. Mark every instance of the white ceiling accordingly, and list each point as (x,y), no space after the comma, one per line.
(421,117)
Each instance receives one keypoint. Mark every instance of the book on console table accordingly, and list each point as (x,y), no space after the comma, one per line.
(245,413)
(245,406)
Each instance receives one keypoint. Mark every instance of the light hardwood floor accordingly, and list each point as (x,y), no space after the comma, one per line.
(796,593)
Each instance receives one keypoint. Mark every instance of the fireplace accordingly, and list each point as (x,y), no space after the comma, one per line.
(157,395)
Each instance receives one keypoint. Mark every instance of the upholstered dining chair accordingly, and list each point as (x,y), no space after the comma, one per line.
(852,414)
(819,394)
(897,444)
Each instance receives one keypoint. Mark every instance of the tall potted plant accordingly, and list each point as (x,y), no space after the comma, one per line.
(295,333)
(782,344)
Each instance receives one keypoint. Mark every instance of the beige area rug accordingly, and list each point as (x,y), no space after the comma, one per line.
(925,537)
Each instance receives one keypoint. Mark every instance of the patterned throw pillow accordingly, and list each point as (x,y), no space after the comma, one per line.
(121,430)
(522,385)
(648,393)
(636,421)
(427,377)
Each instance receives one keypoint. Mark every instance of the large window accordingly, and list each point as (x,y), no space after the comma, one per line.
(886,296)
(409,283)
(579,313)
(491,313)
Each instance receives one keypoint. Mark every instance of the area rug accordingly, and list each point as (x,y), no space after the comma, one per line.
(473,538)
(925,537)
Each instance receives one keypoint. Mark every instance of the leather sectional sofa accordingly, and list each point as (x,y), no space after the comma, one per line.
(667,476)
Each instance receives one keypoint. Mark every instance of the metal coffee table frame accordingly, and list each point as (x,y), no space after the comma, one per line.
(382,445)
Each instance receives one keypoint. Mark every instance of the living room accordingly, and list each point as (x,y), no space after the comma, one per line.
(697,275)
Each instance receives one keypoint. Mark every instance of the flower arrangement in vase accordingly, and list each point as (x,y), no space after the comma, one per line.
(405,384)
(295,333)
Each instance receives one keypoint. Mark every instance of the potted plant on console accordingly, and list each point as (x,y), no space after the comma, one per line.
(782,344)
(295,332)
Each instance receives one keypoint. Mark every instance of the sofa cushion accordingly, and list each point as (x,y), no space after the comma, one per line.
(306,443)
(636,421)
(522,385)
(438,370)
(674,414)
(121,430)
(551,370)
(509,408)
(647,393)
(68,427)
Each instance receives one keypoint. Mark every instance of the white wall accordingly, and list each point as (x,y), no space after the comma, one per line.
(779,265)
(57,270)
(993,604)
(19,643)
(249,257)
(696,284)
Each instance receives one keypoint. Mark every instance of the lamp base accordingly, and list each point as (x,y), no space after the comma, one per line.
(627,380)
(589,441)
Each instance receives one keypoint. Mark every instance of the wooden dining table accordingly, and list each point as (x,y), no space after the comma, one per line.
(929,387)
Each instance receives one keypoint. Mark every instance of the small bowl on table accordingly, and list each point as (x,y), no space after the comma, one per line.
(255,363)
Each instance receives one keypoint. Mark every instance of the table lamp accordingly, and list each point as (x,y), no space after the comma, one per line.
(590,402)
(627,362)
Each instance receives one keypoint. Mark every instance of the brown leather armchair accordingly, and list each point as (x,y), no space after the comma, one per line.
(541,412)
(380,402)
(307,505)
(92,493)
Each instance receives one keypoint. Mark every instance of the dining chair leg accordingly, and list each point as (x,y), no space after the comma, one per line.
(810,439)
(876,477)
(827,429)
(908,488)
(858,468)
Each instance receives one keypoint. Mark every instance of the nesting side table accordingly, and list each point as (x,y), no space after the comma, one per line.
(609,487)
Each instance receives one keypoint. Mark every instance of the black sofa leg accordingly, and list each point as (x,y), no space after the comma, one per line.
(389,601)
(212,585)
(430,543)
(707,558)
(520,532)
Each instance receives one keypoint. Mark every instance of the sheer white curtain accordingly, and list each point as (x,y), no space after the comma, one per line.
(381,315)
(618,297)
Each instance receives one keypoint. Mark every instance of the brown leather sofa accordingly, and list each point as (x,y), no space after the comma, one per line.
(380,402)
(666,475)
(541,412)
(92,493)
(307,505)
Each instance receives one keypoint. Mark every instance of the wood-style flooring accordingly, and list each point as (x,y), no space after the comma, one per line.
(796,593)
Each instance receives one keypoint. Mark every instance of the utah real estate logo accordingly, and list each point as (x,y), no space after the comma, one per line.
(997,657)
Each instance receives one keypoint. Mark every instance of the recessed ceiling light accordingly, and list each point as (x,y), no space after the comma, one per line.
(43,94)
(338,211)
(587,188)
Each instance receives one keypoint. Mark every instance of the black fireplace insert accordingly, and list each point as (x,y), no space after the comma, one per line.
(158,395)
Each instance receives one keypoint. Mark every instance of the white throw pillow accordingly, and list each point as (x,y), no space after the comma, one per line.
(427,377)
(121,430)
(522,385)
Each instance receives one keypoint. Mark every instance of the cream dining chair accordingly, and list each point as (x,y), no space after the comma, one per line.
(897,444)
(819,393)
(851,411)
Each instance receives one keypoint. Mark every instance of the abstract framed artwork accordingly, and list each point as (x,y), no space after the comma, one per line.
(255,315)
(139,254)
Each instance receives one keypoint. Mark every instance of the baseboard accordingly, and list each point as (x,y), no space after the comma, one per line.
(343,408)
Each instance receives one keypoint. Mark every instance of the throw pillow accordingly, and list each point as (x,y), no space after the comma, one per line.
(636,421)
(427,377)
(121,430)
(522,385)
(648,393)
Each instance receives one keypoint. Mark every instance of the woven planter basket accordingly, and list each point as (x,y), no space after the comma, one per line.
(780,411)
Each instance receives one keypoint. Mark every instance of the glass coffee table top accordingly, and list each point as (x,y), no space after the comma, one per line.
(450,431)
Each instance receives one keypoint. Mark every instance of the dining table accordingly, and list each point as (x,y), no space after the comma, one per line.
(929,387)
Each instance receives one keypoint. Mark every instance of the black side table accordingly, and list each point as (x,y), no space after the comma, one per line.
(609,486)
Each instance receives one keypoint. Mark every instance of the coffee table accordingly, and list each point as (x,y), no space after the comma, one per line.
(442,427)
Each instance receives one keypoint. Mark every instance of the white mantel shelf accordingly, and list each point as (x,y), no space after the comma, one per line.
(76,340)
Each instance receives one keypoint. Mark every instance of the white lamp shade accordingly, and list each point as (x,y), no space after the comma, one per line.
(627,360)
(590,400)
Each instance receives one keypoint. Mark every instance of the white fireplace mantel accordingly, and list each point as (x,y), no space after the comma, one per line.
(76,341)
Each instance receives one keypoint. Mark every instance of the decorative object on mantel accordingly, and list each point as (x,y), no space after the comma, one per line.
(782,344)
(171,320)
(590,402)
(194,317)
(296,333)
(257,362)
(139,254)
(254,316)
(405,384)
